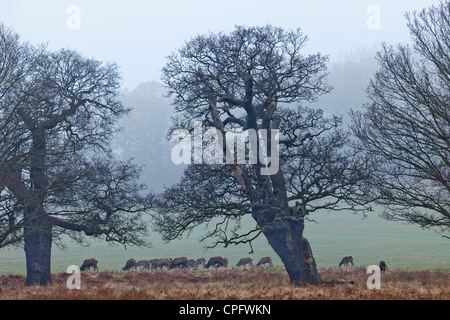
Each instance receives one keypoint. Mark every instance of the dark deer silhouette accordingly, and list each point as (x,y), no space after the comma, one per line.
(383,266)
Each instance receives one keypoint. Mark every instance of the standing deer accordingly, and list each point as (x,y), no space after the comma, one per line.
(383,266)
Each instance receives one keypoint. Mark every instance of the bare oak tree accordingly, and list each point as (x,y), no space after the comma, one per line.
(242,80)
(57,173)
(406,127)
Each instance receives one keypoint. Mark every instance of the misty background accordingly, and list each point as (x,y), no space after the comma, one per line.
(139,35)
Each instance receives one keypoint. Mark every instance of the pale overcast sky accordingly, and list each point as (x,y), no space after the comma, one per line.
(138,35)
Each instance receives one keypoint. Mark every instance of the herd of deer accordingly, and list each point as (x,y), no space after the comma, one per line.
(180,263)
(185,263)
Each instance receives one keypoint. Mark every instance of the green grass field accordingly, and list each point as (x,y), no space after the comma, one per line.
(334,236)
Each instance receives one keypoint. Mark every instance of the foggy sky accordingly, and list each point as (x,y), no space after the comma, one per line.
(138,35)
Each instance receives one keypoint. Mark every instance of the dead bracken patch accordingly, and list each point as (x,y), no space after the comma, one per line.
(233,284)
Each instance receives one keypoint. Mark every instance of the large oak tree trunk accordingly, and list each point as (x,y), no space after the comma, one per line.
(286,239)
(38,229)
(38,246)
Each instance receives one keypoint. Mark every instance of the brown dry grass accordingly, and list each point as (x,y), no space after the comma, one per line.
(233,284)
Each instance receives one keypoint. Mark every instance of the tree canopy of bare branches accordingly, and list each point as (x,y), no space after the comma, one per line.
(250,79)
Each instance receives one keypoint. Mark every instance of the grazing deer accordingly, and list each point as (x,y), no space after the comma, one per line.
(193,263)
(265,260)
(130,264)
(144,264)
(201,261)
(346,261)
(245,261)
(217,262)
(160,263)
(181,262)
(88,263)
